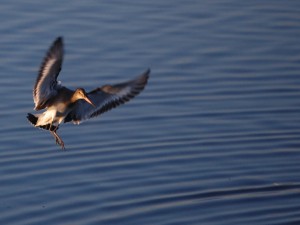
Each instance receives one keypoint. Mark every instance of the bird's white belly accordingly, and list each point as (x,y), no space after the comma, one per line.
(54,115)
(48,117)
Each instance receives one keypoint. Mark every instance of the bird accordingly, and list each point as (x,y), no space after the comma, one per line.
(63,105)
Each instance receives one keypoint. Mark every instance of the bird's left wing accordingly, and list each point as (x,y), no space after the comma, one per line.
(46,83)
(106,98)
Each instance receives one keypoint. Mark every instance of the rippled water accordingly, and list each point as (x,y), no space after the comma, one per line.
(213,139)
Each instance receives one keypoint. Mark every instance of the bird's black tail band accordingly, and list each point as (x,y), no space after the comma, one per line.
(33,120)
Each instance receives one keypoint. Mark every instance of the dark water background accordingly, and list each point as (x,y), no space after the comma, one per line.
(213,139)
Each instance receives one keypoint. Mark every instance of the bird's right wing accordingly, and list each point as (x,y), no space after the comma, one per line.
(106,98)
(46,83)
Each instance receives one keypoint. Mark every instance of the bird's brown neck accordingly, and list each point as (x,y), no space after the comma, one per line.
(74,97)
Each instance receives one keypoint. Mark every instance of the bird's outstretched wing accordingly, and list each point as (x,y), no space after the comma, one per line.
(46,83)
(107,97)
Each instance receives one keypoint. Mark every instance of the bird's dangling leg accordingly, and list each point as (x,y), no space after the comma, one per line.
(57,138)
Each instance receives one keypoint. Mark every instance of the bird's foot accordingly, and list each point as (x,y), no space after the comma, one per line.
(58,140)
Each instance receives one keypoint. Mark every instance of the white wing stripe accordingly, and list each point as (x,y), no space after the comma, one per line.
(42,88)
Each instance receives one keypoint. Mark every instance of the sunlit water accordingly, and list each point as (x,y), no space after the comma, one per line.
(213,139)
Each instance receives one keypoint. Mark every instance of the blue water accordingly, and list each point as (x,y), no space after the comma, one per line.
(213,139)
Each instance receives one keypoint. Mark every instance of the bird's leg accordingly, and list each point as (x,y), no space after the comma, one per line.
(57,138)
(54,134)
(55,128)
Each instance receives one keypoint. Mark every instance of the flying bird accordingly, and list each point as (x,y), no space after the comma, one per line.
(63,105)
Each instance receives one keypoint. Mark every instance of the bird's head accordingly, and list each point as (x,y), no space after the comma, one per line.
(81,94)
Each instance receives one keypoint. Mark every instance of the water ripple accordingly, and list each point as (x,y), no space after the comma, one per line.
(213,138)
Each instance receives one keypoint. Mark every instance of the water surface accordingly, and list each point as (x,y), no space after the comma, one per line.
(213,139)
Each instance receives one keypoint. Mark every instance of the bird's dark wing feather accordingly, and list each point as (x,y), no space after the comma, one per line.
(107,97)
(46,83)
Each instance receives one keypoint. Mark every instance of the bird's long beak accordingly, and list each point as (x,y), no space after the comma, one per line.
(89,101)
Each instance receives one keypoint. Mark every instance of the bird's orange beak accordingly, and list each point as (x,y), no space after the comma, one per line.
(89,101)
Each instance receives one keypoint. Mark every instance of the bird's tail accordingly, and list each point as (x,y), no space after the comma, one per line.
(33,120)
